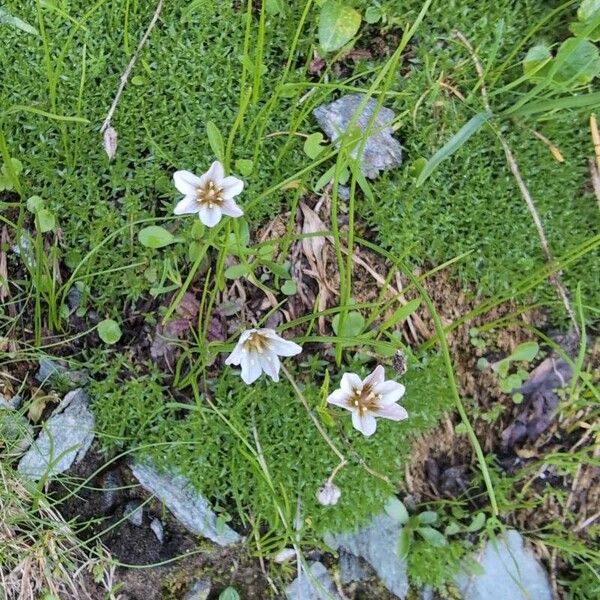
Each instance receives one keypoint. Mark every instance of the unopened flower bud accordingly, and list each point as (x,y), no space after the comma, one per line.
(329,494)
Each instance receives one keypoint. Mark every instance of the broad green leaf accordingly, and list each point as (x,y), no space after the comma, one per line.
(452,529)
(138,80)
(427,517)
(215,139)
(277,269)
(404,542)
(155,236)
(7,19)
(312,145)
(35,203)
(372,14)
(526,352)
(244,166)
(433,536)
(587,12)
(229,594)
(536,63)
(289,288)
(579,62)
(109,331)
(396,510)
(353,325)
(237,271)
(501,367)
(517,398)
(471,127)
(338,24)
(46,220)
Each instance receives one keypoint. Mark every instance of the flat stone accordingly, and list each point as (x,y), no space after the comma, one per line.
(158,530)
(377,543)
(64,439)
(189,507)
(512,572)
(52,372)
(381,150)
(134,512)
(315,585)
(199,590)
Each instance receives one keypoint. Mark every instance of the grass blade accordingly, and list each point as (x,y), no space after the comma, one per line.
(471,127)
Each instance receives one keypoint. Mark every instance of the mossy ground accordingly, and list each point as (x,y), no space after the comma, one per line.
(190,73)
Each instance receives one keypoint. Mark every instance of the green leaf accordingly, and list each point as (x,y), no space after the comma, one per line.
(566,102)
(501,367)
(396,510)
(155,237)
(452,529)
(588,11)
(477,523)
(7,19)
(372,14)
(536,63)
(289,288)
(433,536)
(215,139)
(400,314)
(237,271)
(338,24)
(312,145)
(137,80)
(579,62)
(244,166)
(471,127)
(354,324)
(45,220)
(109,331)
(526,351)
(34,204)
(427,517)
(229,594)
(277,269)
(404,542)
(517,398)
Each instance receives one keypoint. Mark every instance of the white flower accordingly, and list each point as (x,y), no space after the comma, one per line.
(258,350)
(369,398)
(329,494)
(211,195)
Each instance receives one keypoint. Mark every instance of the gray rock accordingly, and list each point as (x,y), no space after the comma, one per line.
(158,530)
(134,512)
(511,573)
(377,543)
(189,507)
(315,585)
(111,486)
(12,403)
(381,151)
(199,591)
(351,568)
(65,438)
(52,372)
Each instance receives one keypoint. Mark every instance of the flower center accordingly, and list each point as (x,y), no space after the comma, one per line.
(365,399)
(256,343)
(210,195)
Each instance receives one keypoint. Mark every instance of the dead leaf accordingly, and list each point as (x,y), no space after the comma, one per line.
(39,401)
(110,142)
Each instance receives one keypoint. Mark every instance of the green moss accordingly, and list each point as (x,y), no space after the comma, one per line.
(217,451)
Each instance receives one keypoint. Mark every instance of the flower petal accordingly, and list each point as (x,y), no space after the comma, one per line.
(236,356)
(210,216)
(269,362)
(186,206)
(232,186)
(186,182)
(394,412)
(251,368)
(390,391)
(376,377)
(231,209)
(366,423)
(340,398)
(215,173)
(350,382)
(278,345)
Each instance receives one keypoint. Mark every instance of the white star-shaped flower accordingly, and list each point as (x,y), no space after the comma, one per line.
(259,350)
(369,398)
(211,195)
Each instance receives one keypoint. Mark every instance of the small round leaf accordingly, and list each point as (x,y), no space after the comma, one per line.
(109,331)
